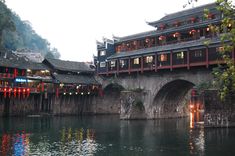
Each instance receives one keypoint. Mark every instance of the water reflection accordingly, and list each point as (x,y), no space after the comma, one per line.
(107,135)
(73,142)
(19,142)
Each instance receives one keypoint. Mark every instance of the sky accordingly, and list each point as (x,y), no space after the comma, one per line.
(74,26)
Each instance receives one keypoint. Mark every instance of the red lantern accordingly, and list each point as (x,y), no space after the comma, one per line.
(192,19)
(210,16)
(162,38)
(192,32)
(177,34)
(28,92)
(14,91)
(5,92)
(19,91)
(24,92)
(15,72)
(9,92)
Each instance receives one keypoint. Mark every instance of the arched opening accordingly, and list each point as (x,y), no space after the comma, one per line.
(113,88)
(110,102)
(172,99)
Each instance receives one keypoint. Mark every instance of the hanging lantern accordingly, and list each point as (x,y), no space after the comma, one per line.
(14,92)
(19,91)
(15,72)
(192,32)
(162,38)
(147,40)
(207,29)
(9,92)
(177,34)
(176,23)
(28,92)
(210,16)
(24,92)
(5,92)
(192,19)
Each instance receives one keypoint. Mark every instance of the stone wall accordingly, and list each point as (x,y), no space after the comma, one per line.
(41,104)
(218,113)
(132,106)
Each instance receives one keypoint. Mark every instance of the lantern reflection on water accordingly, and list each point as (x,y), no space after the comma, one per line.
(16,144)
(83,141)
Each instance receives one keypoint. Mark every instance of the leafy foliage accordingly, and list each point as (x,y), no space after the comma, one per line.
(225,74)
(16,34)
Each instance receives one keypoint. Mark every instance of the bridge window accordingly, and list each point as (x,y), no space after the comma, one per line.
(180,55)
(136,61)
(149,59)
(102,64)
(113,63)
(123,63)
(219,49)
(198,53)
(102,53)
(163,57)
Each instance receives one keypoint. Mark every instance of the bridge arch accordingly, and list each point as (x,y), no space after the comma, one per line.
(113,88)
(171,99)
(109,103)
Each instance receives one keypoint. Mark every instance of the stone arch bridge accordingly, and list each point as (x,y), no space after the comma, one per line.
(164,94)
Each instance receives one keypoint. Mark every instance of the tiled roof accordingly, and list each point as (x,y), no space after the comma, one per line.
(75,79)
(167,31)
(184,13)
(69,65)
(21,64)
(35,66)
(165,48)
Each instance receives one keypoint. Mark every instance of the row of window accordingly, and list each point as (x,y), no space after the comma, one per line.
(149,59)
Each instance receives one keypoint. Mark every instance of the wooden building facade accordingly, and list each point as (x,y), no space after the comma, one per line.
(184,39)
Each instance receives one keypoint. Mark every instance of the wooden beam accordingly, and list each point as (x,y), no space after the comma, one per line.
(129,66)
(118,66)
(188,59)
(107,68)
(142,64)
(207,57)
(156,62)
(171,61)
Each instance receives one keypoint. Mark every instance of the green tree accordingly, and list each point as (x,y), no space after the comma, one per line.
(6,22)
(16,34)
(225,74)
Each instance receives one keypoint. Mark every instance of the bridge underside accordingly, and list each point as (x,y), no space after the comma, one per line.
(172,99)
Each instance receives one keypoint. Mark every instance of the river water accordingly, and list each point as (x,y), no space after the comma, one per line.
(109,136)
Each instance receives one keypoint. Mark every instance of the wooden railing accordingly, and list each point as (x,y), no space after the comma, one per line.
(188,61)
